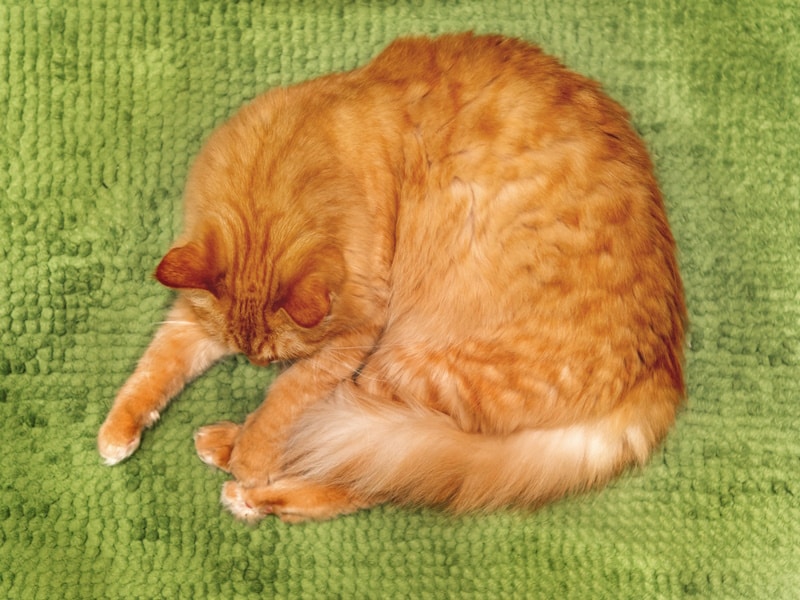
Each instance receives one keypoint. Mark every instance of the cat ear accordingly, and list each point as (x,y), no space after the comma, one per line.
(308,301)
(189,267)
(307,298)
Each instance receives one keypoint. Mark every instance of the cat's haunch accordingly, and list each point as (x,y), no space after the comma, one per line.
(463,251)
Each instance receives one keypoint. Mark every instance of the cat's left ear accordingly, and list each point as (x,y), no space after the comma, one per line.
(307,299)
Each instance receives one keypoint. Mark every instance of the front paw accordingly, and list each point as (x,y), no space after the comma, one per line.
(253,459)
(118,438)
(214,443)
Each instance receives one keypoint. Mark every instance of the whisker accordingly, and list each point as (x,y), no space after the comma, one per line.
(370,347)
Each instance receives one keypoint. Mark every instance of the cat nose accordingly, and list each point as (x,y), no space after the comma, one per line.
(259,362)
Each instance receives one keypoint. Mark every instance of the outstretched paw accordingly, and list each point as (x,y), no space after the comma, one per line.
(119,437)
(214,443)
(293,499)
(235,497)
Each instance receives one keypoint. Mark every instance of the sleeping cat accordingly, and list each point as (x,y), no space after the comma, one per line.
(461,249)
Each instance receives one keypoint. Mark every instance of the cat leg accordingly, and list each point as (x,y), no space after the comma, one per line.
(180,351)
(293,499)
(256,453)
(214,443)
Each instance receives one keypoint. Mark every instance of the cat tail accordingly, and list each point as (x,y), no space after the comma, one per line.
(392,451)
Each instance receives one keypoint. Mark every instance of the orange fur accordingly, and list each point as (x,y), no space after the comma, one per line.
(462,249)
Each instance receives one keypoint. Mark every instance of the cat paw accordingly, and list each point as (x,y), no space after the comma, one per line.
(117,439)
(292,499)
(214,443)
(254,459)
(234,498)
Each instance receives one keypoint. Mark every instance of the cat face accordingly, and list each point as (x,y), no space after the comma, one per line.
(260,259)
(265,306)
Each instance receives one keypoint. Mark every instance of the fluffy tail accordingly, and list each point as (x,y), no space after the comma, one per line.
(395,452)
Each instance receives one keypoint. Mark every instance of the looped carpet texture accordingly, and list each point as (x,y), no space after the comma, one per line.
(102,107)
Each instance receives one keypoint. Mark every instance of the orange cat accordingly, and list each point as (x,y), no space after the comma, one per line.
(462,249)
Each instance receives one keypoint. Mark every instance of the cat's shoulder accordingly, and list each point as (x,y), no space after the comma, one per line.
(456,46)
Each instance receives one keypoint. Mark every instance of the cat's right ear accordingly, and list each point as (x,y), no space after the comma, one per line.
(189,267)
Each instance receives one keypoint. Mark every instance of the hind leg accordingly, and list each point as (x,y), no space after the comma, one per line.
(293,499)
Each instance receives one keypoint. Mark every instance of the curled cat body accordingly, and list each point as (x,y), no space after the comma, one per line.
(461,250)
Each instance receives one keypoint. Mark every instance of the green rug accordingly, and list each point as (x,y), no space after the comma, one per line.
(102,107)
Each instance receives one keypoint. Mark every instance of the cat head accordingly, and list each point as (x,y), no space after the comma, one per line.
(267,305)
(268,206)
